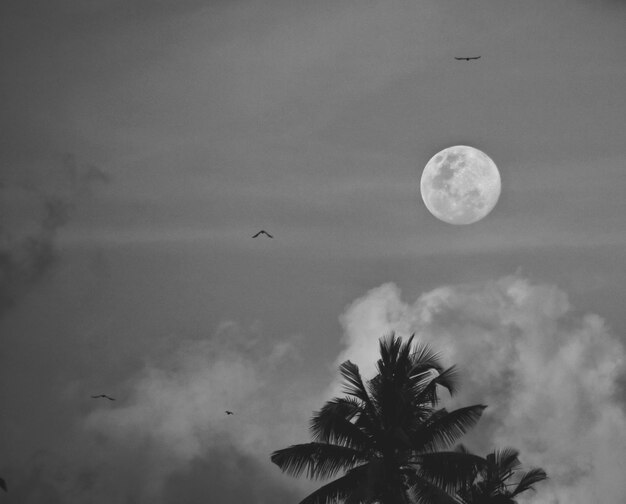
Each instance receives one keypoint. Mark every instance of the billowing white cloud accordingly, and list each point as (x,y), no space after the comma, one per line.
(174,412)
(548,373)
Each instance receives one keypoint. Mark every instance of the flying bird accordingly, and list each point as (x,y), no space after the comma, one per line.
(229,412)
(467,59)
(263,232)
(3,485)
(103,396)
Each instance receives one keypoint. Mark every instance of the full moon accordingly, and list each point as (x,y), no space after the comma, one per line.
(460,185)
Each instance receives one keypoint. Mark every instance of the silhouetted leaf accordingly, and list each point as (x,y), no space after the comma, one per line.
(348,487)
(448,470)
(423,491)
(446,428)
(316,460)
(447,379)
(332,424)
(528,479)
(353,383)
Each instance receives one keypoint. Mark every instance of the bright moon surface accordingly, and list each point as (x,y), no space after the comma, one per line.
(460,185)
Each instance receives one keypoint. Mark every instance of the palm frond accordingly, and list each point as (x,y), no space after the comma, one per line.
(420,387)
(446,428)
(316,460)
(355,387)
(449,470)
(395,356)
(396,494)
(501,464)
(448,378)
(424,358)
(353,383)
(505,459)
(423,491)
(389,348)
(528,479)
(349,487)
(333,423)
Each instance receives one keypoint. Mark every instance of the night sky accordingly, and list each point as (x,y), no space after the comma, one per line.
(144,142)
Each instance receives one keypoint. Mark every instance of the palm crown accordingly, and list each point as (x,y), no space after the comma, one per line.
(387,435)
(500,479)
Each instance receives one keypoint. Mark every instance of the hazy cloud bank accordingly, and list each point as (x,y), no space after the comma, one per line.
(174,413)
(548,373)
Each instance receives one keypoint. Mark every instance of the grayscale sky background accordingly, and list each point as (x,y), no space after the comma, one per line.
(145,141)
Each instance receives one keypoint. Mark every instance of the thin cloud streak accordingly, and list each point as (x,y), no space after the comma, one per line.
(318,205)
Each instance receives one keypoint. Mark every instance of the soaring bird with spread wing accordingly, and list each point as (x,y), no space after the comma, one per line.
(263,232)
(467,59)
(104,396)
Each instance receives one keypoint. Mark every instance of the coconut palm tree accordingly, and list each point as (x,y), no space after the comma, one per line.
(500,479)
(387,435)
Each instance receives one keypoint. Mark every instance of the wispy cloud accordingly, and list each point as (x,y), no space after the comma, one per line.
(548,373)
(34,206)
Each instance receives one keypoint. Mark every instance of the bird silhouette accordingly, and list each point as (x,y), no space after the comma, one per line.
(467,59)
(229,412)
(103,396)
(3,485)
(263,232)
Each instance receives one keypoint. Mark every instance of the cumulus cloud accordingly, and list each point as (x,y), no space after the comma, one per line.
(548,373)
(174,413)
(34,205)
